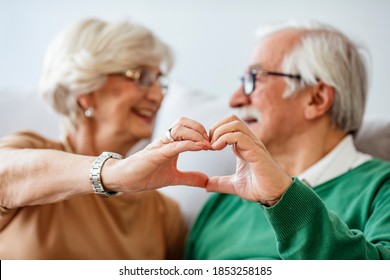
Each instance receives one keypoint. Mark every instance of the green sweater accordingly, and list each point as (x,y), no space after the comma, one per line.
(347,217)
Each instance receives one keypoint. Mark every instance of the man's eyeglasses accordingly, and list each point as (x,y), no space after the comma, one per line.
(249,79)
(146,78)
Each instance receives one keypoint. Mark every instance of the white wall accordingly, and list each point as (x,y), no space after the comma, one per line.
(211,38)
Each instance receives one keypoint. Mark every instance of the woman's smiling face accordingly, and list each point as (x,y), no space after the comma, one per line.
(125,109)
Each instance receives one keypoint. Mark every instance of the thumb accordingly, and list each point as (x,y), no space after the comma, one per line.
(220,184)
(191,178)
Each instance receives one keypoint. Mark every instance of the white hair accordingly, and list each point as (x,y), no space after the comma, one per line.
(79,59)
(326,54)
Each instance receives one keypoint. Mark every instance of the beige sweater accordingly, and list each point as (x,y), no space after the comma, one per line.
(143,226)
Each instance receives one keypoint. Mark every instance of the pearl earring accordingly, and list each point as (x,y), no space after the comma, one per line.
(89,112)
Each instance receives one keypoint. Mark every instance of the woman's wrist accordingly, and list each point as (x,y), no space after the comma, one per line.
(103,177)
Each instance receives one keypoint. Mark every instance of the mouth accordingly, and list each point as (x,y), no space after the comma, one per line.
(250,120)
(249,115)
(146,114)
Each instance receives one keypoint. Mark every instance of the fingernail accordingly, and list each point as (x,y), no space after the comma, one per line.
(202,145)
(210,135)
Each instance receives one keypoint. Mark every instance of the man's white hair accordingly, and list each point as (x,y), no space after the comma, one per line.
(324,53)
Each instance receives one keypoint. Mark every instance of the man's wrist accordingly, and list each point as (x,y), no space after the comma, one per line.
(272,201)
(269,203)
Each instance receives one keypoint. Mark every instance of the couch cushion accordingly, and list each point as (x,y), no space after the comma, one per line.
(374,137)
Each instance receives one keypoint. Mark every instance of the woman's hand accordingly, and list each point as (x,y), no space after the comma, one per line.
(156,165)
(258,177)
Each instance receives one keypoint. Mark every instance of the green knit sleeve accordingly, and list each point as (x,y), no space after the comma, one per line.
(306,229)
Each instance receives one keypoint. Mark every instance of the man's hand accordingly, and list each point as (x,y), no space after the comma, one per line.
(258,177)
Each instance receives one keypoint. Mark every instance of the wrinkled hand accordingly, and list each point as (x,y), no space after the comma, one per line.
(258,177)
(156,165)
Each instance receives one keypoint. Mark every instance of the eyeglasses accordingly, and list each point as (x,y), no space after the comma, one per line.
(145,78)
(249,79)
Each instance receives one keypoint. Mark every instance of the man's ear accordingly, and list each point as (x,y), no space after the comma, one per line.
(321,98)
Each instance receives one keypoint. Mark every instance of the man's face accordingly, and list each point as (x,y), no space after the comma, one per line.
(280,117)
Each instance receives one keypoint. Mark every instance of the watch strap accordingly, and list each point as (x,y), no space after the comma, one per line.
(95,174)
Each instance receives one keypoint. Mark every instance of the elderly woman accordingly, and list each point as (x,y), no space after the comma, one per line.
(81,198)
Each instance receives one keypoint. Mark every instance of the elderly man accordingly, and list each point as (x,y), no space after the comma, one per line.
(301,190)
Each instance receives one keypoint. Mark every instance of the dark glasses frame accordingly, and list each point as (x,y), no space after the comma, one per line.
(248,80)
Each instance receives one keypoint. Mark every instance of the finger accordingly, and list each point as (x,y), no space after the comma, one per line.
(182,133)
(191,124)
(231,127)
(172,149)
(225,140)
(221,122)
(191,178)
(220,184)
(167,137)
(243,141)
(188,146)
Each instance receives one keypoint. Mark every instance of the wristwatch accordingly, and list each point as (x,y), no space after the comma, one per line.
(95,171)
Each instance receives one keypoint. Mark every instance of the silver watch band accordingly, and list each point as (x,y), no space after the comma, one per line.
(95,171)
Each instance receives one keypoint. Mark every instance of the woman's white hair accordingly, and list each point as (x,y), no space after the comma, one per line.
(326,54)
(79,59)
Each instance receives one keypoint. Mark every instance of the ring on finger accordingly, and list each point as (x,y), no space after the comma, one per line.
(168,134)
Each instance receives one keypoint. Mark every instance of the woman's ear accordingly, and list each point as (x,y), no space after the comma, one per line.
(87,104)
(321,98)
(86,101)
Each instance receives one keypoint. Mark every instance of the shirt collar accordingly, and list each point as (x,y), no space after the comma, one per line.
(338,161)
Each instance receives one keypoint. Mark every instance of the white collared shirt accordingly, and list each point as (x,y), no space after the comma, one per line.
(341,159)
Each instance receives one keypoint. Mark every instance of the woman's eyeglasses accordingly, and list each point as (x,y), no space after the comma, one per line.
(145,78)
(249,79)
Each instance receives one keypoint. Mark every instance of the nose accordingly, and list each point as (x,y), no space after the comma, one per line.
(239,99)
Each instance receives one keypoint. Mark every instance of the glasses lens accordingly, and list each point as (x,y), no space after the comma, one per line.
(163,83)
(146,78)
(247,83)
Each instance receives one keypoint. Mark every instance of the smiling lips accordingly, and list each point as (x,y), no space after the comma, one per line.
(250,120)
(146,114)
(249,115)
